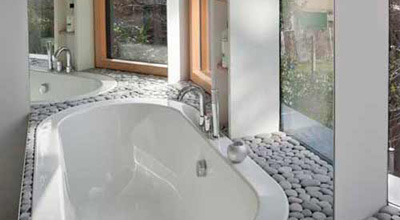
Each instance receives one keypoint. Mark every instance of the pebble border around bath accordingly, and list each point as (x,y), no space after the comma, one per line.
(306,178)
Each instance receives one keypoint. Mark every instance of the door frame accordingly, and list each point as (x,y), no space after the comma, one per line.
(200,72)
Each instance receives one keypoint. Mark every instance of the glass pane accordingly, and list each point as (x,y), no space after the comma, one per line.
(41,25)
(137,30)
(307,73)
(394,97)
(394,101)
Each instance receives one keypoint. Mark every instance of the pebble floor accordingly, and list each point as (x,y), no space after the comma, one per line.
(306,179)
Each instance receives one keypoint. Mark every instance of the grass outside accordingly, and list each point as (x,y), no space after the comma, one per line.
(310,93)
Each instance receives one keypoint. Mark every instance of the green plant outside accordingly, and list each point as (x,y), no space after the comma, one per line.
(309,93)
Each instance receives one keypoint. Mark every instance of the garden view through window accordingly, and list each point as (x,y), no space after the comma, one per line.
(41,25)
(307,73)
(137,30)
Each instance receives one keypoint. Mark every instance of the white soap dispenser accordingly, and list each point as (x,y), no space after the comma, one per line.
(70,18)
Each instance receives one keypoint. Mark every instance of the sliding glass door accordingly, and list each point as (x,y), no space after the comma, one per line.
(307,73)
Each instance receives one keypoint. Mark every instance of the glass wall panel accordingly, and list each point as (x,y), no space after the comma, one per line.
(394,101)
(41,25)
(307,73)
(137,30)
(394,97)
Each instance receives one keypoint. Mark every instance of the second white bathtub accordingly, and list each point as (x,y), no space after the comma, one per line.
(47,87)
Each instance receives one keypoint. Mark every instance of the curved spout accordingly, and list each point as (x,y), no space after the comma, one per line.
(69,57)
(201,93)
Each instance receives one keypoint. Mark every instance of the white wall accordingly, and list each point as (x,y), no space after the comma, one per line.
(14,101)
(178,40)
(218,23)
(254,67)
(361,107)
(81,42)
(84,34)
(60,14)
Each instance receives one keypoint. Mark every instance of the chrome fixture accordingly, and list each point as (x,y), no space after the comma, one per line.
(201,168)
(215,112)
(202,106)
(57,54)
(59,66)
(237,152)
(208,123)
(50,50)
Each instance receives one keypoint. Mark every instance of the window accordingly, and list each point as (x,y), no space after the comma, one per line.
(307,73)
(199,44)
(132,35)
(41,25)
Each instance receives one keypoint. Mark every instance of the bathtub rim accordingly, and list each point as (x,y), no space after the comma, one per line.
(107,84)
(252,174)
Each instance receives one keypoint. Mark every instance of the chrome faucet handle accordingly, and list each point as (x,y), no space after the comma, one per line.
(59,66)
(237,152)
(207,123)
(202,120)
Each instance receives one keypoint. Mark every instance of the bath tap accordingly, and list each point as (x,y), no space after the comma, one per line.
(206,122)
(57,54)
(202,105)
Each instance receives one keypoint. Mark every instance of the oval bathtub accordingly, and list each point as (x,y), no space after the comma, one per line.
(47,87)
(137,159)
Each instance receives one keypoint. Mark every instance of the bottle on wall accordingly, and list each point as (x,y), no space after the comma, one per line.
(70,18)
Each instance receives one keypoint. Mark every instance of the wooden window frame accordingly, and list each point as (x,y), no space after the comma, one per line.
(101,58)
(200,72)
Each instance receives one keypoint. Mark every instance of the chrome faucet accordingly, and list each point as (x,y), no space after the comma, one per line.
(206,122)
(57,54)
(202,105)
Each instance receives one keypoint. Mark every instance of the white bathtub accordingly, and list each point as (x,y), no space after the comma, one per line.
(137,160)
(59,87)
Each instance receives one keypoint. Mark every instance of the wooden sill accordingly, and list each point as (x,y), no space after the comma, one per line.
(132,66)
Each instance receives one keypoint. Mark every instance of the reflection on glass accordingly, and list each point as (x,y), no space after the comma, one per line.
(138,30)
(307,73)
(41,25)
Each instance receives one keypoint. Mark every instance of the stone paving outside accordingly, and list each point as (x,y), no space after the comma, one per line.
(306,179)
